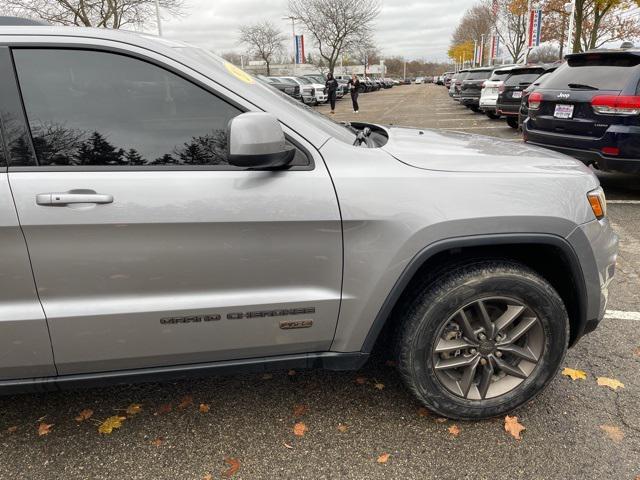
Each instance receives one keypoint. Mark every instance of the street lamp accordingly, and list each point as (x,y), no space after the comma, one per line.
(293,31)
(570,8)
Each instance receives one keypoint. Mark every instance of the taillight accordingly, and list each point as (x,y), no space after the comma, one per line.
(501,88)
(616,105)
(483,84)
(534,100)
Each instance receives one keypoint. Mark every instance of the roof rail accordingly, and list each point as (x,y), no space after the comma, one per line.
(19,21)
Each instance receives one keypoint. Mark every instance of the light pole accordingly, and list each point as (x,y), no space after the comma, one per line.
(570,8)
(158,19)
(293,31)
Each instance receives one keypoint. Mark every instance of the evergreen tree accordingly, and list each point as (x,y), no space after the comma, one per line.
(132,157)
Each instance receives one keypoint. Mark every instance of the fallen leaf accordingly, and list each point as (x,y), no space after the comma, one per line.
(342,427)
(299,410)
(440,420)
(110,424)
(85,414)
(13,429)
(390,363)
(299,429)
(291,373)
(454,430)
(361,380)
(379,386)
(208,476)
(44,429)
(204,408)
(612,383)
(234,465)
(163,409)
(186,401)
(574,374)
(637,354)
(613,432)
(383,458)
(157,442)
(423,412)
(512,426)
(134,409)
(287,445)
(267,376)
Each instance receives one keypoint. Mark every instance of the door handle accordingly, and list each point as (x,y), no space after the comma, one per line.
(66,198)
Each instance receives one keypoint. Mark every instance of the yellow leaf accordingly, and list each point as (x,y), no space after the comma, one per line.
(44,429)
(613,432)
(85,414)
(208,476)
(299,429)
(157,442)
(574,374)
(234,465)
(134,409)
(379,386)
(110,424)
(342,427)
(454,430)
(612,383)
(204,408)
(383,458)
(512,426)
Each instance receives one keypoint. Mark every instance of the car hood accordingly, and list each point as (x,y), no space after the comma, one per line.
(463,152)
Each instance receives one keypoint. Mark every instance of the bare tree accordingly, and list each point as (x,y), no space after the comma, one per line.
(545,53)
(512,27)
(475,23)
(336,25)
(91,13)
(365,52)
(264,40)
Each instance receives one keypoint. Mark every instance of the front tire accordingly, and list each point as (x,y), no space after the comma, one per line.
(482,340)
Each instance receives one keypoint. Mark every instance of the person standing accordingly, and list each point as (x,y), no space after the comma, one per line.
(331,86)
(354,89)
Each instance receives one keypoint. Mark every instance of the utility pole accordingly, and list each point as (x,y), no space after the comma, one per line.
(293,31)
(570,8)
(475,52)
(158,19)
(404,75)
(482,50)
(526,55)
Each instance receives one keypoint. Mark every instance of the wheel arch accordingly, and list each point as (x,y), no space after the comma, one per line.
(549,255)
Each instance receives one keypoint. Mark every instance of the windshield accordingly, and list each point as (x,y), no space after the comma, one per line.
(604,72)
(334,129)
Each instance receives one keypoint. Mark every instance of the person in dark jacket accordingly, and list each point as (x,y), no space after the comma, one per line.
(354,89)
(331,86)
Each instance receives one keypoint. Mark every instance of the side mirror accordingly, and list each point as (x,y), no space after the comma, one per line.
(256,140)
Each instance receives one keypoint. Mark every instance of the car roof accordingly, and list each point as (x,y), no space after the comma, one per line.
(635,51)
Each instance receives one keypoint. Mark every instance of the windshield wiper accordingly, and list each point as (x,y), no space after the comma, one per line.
(581,86)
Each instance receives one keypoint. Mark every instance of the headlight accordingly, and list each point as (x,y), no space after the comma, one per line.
(598,202)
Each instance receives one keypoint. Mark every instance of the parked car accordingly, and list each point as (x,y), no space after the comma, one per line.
(590,109)
(290,88)
(312,91)
(321,80)
(196,221)
(454,91)
(472,86)
(446,81)
(524,102)
(510,93)
(491,88)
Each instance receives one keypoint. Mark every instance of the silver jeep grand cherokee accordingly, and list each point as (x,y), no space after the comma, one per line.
(164,214)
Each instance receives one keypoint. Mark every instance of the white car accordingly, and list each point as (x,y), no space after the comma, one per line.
(419,80)
(491,89)
(308,86)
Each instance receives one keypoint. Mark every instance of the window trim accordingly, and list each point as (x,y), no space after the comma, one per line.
(126,168)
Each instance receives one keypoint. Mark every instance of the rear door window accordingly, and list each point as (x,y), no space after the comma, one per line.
(604,72)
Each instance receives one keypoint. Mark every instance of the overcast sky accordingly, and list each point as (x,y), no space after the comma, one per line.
(410,28)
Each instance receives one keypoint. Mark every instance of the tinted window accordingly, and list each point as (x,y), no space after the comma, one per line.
(521,78)
(499,76)
(478,75)
(3,160)
(96,108)
(605,72)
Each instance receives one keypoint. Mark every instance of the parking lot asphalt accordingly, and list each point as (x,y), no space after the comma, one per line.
(575,429)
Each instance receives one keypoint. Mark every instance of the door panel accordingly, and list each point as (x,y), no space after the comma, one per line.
(25,348)
(114,277)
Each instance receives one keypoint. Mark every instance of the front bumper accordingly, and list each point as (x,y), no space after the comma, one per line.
(589,149)
(596,246)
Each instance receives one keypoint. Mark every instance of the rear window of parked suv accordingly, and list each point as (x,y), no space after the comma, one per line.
(526,77)
(482,75)
(602,72)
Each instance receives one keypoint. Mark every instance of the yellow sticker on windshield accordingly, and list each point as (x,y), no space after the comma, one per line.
(238,73)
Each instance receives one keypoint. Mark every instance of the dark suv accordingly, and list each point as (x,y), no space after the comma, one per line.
(472,87)
(590,109)
(510,93)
